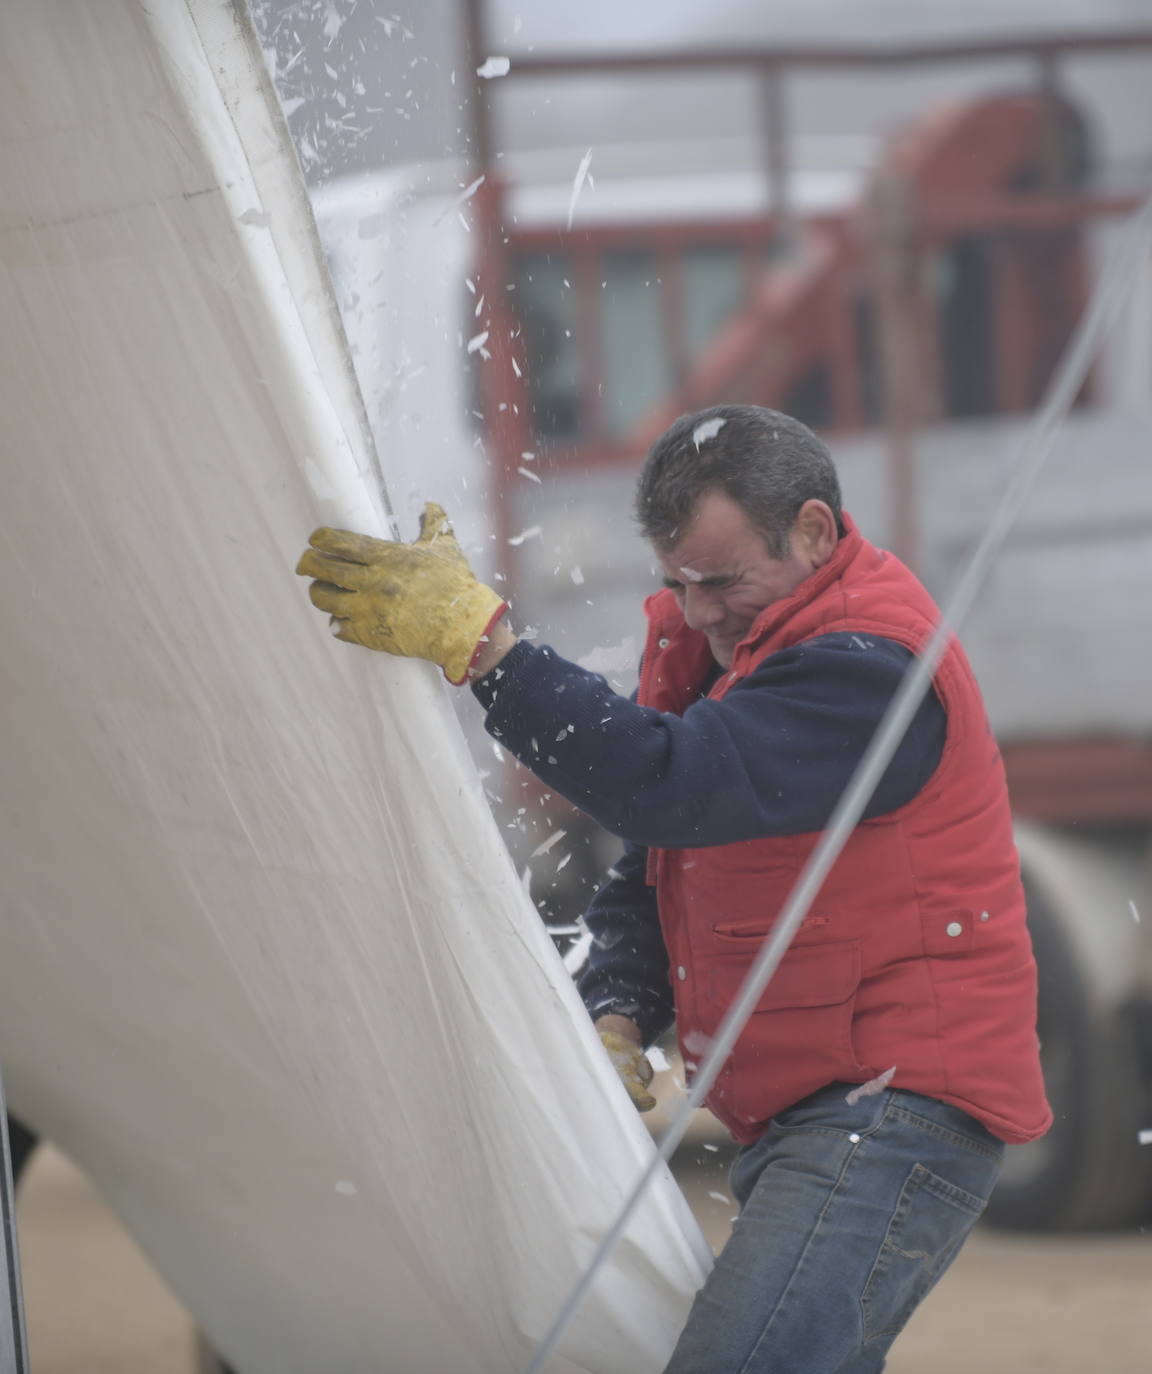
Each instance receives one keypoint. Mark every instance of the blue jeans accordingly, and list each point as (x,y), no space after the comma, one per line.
(849,1215)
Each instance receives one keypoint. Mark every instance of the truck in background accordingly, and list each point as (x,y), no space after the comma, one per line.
(908,296)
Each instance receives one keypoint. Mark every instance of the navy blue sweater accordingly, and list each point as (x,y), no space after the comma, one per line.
(771,758)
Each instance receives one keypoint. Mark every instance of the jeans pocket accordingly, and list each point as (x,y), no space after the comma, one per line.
(931,1221)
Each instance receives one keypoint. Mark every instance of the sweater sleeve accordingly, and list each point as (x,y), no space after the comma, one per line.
(770,758)
(627,968)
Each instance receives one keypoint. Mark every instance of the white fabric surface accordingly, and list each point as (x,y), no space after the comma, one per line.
(265,970)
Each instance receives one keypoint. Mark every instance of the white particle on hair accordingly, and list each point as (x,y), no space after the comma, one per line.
(707,429)
(691,575)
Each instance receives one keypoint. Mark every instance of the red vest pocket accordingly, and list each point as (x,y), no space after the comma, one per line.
(799,1037)
(809,975)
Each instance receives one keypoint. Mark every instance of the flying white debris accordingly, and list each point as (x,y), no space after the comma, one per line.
(333,23)
(696,1042)
(874,1085)
(469,191)
(494,66)
(466,194)
(577,185)
(612,658)
(534,532)
(658,1059)
(555,838)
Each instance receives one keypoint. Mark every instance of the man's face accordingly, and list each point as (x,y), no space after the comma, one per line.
(724,576)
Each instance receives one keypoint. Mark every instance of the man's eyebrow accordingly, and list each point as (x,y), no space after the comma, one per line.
(720,580)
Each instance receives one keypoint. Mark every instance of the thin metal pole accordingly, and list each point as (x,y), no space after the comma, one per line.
(13,1342)
(1055,173)
(503,396)
(899,324)
(774,104)
(1109,298)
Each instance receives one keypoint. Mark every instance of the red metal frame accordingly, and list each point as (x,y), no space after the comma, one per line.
(795,315)
(1105,781)
(528,66)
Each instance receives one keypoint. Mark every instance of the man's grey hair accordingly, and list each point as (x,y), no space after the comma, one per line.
(768,463)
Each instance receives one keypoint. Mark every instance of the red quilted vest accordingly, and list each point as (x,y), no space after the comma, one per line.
(915,953)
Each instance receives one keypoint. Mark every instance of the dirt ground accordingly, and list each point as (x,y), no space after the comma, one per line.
(1010,1305)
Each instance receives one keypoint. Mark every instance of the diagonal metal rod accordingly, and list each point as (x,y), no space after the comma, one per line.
(13,1339)
(1111,293)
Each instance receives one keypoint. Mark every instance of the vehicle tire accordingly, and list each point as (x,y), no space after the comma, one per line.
(1089,1171)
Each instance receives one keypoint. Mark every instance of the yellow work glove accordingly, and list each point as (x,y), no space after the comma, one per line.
(632,1066)
(418,600)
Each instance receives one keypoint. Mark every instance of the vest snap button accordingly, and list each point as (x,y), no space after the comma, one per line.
(984,916)
(681,973)
(953,928)
(662,643)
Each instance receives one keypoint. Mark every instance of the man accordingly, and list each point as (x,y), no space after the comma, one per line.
(895,1050)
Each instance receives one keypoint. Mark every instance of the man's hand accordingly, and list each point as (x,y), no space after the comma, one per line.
(621,1038)
(418,600)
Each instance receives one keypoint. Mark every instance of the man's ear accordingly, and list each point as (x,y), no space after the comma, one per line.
(815,531)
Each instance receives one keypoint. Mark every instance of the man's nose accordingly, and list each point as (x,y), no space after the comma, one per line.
(702,610)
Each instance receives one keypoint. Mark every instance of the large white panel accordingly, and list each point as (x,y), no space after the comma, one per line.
(265,971)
